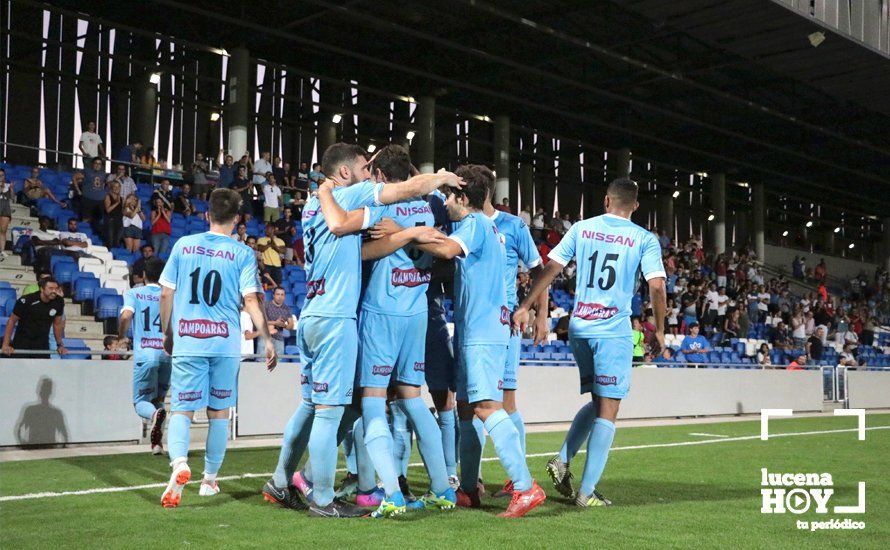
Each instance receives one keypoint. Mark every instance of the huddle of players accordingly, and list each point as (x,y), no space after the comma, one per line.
(387,342)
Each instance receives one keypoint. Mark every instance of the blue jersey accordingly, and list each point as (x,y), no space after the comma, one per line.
(610,252)
(210,273)
(398,282)
(148,340)
(519,247)
(480,299)
(334,264)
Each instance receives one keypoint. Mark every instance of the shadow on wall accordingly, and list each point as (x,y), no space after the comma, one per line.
(40,424)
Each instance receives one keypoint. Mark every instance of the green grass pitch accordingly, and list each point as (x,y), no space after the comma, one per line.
(682,496)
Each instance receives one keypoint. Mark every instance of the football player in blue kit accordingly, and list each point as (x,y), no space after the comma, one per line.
(482,322)
(327,334)
(610,251)
(151,366)
(203,284)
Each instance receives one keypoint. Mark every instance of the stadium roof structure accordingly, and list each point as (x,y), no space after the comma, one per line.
(715,85)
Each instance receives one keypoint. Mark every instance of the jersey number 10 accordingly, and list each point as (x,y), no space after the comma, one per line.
(211,288)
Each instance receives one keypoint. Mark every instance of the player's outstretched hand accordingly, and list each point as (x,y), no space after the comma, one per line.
(383,228)
(520,319)
(450,179)
(428,235)
(271,356)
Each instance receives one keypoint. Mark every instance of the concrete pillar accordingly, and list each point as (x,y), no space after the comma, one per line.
(501,158)
(239,101)
(759,212)
(829,241)
(426,134)
(527,186)
(666,214)
(718,205)
(886,258)
(145,104)
(622,163)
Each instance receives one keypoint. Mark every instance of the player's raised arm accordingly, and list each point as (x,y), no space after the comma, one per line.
(386,245)
(417,186)
(339,221)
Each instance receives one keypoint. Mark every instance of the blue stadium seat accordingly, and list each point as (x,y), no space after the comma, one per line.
(84,288)
(64,272)
(108,306)
(99,292)
(56,260)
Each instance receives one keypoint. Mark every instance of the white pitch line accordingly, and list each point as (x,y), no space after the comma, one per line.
(707,435)
(722,439)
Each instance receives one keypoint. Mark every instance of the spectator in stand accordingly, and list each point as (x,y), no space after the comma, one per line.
(134,219)
(93,194)
(42,244)
(138,268)
(6,195)
(160,226)
(526,216)
(279,318)
(182,204)
(31,319)
(110,343)
(821,271)
(713,299)
(695,347)
(248,335)
(271,247)
(261,167)
(566,223)
(781,337)
(114,215)
(848,357)
(637,337)
(798,328)
(129,154)
(241,233)
(271,199)
(73,243)
(303,180)
(798,364)
(763,355)
(299,253)
(721,269)
(815,347)
(538,223)
(673,317)
(288,184)
(199,171)
(241,185)
(148,159)
(128,186)
(316,176)
(286,231)
(165,193)
(731,328)
(664,240)
(722,307)
(504,206)
(34,189)
(91,144)
(226,171)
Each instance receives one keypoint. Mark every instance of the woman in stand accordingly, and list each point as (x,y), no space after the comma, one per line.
(114,215)
(133,220)
(160,227)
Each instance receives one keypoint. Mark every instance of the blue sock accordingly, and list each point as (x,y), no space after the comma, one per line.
(601,436)
(145,409)
(447,426)
(178,436)
(367,478)
(401,437)
(578,432)
(516,417)
(215,448)
(506,443)
(348,446)
(429,442)
(323,453)
(296,437)
(378,439)
(479,426)
(470,455)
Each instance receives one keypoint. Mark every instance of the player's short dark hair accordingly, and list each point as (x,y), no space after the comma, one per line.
(224,205)
(45,281)
(394,161)
(479,179)
(154,266)
(623,191)
(339,154)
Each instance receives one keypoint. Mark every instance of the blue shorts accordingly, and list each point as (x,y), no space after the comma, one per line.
(151,379)
(391,348)
(328,351)
(480,374)
(200,382)
(604,365)
(511,365)
(440,360)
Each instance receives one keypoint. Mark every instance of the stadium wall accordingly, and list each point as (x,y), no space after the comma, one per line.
(868,389)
